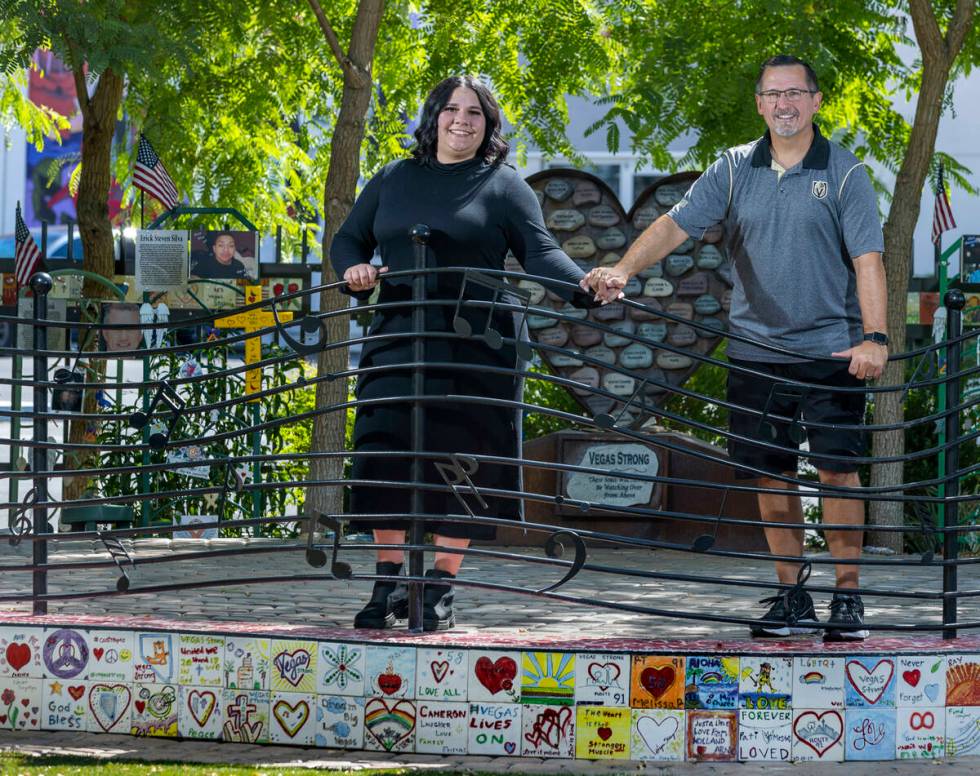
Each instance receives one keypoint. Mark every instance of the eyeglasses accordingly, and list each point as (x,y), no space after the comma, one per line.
(792,95)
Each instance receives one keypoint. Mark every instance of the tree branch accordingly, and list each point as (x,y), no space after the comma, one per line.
(332,40)
(77,73)
(927,31)
(959,27)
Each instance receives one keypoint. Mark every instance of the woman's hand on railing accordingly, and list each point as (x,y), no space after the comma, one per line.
(606,282)
(363,277)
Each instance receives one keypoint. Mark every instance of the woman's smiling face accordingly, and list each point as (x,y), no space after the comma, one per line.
(462,127)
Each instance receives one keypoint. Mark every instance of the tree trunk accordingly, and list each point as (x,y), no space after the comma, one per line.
(98,125)
(338,199)
(938,55)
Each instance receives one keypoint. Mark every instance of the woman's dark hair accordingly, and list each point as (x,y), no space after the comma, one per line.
(493,149)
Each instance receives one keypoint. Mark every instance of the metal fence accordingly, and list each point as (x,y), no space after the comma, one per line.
(937,503)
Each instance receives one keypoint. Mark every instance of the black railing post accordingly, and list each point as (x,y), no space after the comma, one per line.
(420,238)
(954,302)
(41,284)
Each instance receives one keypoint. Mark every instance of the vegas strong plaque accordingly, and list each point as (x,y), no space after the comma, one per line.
(602,485)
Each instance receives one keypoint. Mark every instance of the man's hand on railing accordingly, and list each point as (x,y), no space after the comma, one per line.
(363,277)
(867,360)
(607,283)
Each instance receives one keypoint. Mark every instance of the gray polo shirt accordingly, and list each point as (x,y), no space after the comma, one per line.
(790,239)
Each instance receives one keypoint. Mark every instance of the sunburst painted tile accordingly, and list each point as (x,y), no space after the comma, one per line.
(548,677)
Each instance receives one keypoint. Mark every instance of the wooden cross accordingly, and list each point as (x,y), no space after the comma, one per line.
(252,321)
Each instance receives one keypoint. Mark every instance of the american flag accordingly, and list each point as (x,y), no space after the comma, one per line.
(942,213)
(27,256)
(152,177)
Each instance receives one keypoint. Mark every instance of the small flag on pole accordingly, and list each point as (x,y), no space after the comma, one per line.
(152,177)
(942,214)
(27,256)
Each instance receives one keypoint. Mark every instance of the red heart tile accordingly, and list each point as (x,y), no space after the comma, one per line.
(18,655)
(496,676)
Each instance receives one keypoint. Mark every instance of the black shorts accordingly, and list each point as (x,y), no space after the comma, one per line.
(843,409)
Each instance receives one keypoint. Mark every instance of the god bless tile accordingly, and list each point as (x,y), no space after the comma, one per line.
(658,735)
(390,671)
(245,715)
(389,725)
(441,727)
(765,734)
(339,722)
(657,682)
(818,682)
(65,653)
(341,668)
(109,707)
(921,734)
(765,682)
(494,729)
(441,674)
(292,718)
(602,678)
(199,713)
(602,732)
(155,710)
(818,734)
(870,681)
(547,731)
(870,734)
(294,666)
(20,651)
(962,731)
(247,662)
(20,703)
(63,705)
(494,676)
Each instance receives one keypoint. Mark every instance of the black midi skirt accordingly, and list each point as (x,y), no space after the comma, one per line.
(469,423)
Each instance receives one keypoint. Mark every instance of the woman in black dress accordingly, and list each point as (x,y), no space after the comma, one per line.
(477,208)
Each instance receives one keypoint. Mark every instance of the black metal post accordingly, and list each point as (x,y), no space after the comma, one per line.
(41,284)
(420,237)
(954,301)
(306,248)
(70,248)
(279,244)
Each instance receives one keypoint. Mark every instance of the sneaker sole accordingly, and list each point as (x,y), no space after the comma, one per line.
(777,632)
(438,625)
(388,621)
(854,635)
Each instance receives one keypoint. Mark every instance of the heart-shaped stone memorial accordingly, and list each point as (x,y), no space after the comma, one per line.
(642,353)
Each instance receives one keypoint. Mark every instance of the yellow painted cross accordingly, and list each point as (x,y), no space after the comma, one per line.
(251,321)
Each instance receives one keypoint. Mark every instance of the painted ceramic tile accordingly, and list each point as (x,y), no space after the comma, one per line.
(765,682)
(869,734)
(441,675)
(963,680)
(818,682)
(111,656)
(109,707)
(340,669)
(389,724)
(602,678)
(292,718)
(547,731)
(247,663)
(199,713)
(765,734)
(962,731)
(200,660)
(390,672)
(657,682)
(495,729)
(339,722)
(602,732)
(20,703)
(657,734)
(711,683)
(65,653)
(155,710)
(920,734)
(869,681)
(20,651)
(245,716)
(494,677)
(712,735)
(548,677)
(293,666)
(64,705)
(441,727)
(156,658)
(818,734)
(921,681)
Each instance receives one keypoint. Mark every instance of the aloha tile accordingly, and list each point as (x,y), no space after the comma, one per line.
(711,683)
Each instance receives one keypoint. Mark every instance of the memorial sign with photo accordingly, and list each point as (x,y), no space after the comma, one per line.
(224,255)
(161,259)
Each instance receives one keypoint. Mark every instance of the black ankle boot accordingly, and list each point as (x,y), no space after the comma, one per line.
(378,612)
(437,603)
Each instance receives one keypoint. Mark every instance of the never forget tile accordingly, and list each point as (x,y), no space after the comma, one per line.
(602,732)
(869,681)
(65,653)
(920,734)
(818,682)
(494,676)
(495,729)
(818,734)
(293,666)
(292,718)
(870,734)
(20,651)
(339,722)
(548,677)
(765,734)
(155,710)
(389,724)
(64,705)
(441,727)
(765,682)
(245,715)
(657,682)
(20,703)
(247,662)
(658,735)
(390,672)
(341,668)
(547,731)
(921,681)
(712,735)
(199,713)
(711,683)
(441,674)
(111,658)
(602,678)
(962,731)
(155,660)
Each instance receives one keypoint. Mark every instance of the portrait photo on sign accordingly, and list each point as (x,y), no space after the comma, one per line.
(224,255)
(113,340)
(67,395)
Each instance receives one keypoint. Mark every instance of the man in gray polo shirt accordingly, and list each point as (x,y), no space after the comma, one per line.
(804,238)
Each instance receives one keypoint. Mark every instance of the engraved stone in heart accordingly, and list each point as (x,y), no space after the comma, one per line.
(692,283)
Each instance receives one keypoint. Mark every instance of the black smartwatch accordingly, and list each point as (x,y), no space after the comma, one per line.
(877,337)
